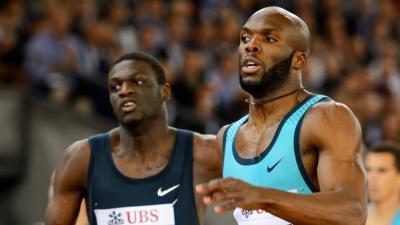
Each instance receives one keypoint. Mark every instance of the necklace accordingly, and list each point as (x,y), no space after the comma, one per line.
(270,99)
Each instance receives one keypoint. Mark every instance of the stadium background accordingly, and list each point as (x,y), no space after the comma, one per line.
(55,55)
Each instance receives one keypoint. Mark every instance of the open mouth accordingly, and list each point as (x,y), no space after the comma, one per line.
(250,66)
(128,106)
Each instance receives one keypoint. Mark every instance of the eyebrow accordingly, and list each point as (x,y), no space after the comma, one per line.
(114,79)
(133,75)
(264,30)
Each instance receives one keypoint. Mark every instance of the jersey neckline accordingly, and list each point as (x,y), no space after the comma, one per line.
(260,157)
(151,178)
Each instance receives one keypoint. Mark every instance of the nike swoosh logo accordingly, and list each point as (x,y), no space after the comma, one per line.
(270,168)
(161,193)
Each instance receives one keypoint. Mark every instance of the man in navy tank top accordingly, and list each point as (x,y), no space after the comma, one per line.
(142,172)
(295,158)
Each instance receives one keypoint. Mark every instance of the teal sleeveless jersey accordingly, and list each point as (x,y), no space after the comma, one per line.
(396,219)
(280,165)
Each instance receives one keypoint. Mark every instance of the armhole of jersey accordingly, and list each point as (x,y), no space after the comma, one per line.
(396,219)
(95,142)
(187,138)
(223,146)
(297,149)
(190,138)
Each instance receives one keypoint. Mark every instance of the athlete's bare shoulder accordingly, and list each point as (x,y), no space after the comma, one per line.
(78,148)
(332,113)
(220,135)
(332,121)
(203,144)
(204,140)
(68,184)
(74,165)
(205,154)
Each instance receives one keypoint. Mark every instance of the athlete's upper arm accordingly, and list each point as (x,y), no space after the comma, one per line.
(220,140)
(68,185)
(335,132)
(205,152)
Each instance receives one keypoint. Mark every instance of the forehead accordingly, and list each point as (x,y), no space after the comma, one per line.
(383,159)
(271,21)
(131,67)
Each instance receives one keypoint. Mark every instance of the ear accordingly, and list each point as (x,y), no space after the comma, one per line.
(299,60)
(165,91)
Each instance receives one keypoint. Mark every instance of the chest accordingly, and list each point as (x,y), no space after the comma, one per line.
(276,158)
(138,169)
(251,142)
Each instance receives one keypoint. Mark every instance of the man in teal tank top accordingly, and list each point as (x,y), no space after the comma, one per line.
(143,171)
(295,158)
(382,162)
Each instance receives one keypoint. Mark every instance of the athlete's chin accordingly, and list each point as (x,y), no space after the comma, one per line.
(130,120)
(251,77)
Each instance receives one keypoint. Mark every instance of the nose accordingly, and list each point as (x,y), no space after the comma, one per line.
(126,89)
(252,46)
(372,175)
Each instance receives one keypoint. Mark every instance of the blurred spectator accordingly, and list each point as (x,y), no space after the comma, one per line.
(391,126)
(383,167)
(148,38)
(190,79)
(373,108)
(385,70)
(63,49)
(117,16)
(52,61)
(11,21)
(186,87)
(224,79)
(83,12)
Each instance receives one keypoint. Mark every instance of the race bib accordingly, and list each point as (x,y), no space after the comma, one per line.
(162,214)
(257,217)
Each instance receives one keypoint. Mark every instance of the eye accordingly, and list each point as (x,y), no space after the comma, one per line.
(382,170)
(244,39)
(269,39)
(139,82)
(115,87)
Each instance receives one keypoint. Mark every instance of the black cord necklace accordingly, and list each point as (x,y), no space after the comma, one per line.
(270,99)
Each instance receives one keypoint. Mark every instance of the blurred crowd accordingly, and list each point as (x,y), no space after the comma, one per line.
(61,50)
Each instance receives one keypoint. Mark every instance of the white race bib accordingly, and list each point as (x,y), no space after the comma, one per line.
(162,214)
(256,217)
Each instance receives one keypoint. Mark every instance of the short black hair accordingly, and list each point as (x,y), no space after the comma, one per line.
(390,147)
(152,61)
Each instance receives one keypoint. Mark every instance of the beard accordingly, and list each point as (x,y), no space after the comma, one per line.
(271,80)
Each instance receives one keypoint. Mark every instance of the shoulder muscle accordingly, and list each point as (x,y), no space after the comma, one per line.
(205,152)
(332,124)
(73,169)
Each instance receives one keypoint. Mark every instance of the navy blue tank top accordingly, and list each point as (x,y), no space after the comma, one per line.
(108,188)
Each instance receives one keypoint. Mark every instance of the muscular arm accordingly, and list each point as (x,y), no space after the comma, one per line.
(68,186)
(334,131)
(207,158)
(207,163)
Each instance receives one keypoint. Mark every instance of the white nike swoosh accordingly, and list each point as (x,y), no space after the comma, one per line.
(161,193)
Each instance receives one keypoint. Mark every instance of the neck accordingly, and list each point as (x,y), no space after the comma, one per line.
(275,104)
(269,114)
(145,137)
(290,87)
(263,100)
(387,207)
